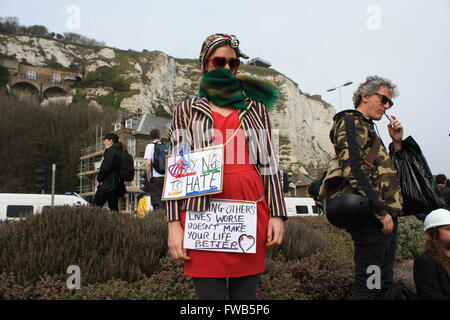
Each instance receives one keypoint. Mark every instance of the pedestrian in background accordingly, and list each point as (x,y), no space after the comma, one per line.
(153,170)
(109,186)
(442,183)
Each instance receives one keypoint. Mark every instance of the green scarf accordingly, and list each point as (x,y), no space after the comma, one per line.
(223,88)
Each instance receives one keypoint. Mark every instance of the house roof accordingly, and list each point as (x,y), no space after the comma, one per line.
(143,123)
(148,122)
(304,179)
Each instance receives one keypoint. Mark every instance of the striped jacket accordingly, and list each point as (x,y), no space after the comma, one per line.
(193,123)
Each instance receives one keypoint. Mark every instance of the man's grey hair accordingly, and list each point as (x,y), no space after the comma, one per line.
(370,86)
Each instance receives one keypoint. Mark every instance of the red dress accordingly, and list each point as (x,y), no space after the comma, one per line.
(241,181)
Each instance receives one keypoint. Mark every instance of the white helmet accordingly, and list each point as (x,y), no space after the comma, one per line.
(436,218)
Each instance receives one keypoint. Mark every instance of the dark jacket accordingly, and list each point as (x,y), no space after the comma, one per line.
(109,174)
(352,136)
(432,280)
(446,195)
(193,122)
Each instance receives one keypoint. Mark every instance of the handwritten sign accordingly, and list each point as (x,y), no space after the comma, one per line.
(193,174)
(227,226)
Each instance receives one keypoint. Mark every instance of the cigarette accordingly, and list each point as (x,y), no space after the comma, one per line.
(390,119)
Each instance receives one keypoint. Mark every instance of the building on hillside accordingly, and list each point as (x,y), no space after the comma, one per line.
(27,81)
(259,62)
(134,132)
(301,183)
(316,170)
(301,177)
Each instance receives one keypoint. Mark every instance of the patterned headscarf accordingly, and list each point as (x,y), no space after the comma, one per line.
(213,41)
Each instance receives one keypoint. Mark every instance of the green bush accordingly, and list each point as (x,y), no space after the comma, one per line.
(105,76)
(323,277)
(410,238)
(124,258)
(46,288)
(4,76)
(168,284)
(104,245)
(278,281)
(305,236)
(300,240)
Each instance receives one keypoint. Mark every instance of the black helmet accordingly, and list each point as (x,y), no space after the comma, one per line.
(346,210)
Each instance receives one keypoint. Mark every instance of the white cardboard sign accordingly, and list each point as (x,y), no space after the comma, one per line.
(194,174)
(226,226)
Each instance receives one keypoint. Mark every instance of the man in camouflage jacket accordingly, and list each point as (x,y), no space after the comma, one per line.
(353,135)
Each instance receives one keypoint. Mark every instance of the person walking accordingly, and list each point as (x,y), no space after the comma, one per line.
(155,179)
(229,103)
(109,186)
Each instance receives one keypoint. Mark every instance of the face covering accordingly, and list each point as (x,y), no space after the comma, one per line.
(224,88)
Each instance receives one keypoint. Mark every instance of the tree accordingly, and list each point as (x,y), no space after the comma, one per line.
(80,39)
(36,30)
(9,25)
(32,136)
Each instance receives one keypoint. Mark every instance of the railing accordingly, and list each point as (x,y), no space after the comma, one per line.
(86,189)
(41,78)
(93,149)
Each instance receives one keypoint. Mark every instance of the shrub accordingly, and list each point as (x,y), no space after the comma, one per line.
(410,238)
(300,240)
(168,284)
(104,245)
(323,277)
(46,288)
(305,236)
(278,281)
(115,289)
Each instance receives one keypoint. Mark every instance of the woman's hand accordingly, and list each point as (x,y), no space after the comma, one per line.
(275,231)
(175,241)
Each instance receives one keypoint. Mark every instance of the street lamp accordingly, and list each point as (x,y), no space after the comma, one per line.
(339,87)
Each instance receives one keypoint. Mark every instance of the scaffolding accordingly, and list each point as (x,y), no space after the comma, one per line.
(90,161)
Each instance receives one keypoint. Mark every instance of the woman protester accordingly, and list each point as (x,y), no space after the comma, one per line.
(233,111)
(432,268)
(109,186)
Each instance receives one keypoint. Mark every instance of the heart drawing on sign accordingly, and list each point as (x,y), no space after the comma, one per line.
(246,242)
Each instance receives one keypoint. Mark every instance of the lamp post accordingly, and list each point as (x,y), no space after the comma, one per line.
(339,87)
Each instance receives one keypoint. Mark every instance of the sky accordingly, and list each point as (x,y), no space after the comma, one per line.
(318,44)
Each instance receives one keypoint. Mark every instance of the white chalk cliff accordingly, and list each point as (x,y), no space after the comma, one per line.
(155,82)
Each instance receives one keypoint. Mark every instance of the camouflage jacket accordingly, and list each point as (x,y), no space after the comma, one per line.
(352,136)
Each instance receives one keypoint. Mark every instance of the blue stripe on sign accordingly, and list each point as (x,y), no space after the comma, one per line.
(195,193)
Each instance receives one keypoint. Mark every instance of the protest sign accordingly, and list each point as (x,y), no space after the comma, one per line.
(226,226)
(193,174)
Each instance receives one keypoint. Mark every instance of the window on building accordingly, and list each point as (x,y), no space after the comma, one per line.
(131,146)
(31,74)
(18,211)
(117,126)
(56,78)
(129,124)
(301,209)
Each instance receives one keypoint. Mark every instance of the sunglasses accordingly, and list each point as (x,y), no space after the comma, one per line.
(384,99)
(221,62)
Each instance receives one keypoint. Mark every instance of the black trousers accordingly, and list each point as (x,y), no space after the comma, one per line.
(375,250)
(111,197)
(155,188)
(243,288)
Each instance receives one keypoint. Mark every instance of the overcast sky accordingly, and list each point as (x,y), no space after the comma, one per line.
(319,44)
